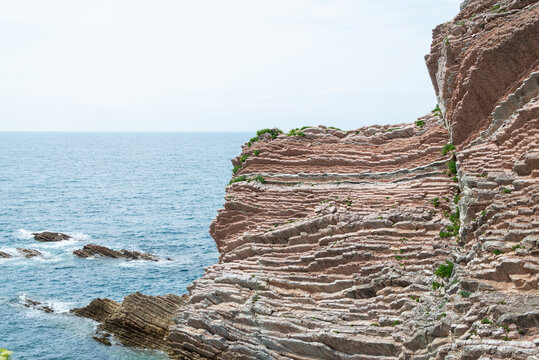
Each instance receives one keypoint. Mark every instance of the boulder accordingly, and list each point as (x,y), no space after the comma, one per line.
(47,236)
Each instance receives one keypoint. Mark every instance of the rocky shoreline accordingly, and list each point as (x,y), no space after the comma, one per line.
(409,241)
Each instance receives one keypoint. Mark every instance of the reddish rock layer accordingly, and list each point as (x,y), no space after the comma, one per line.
(372,244)
(479,58)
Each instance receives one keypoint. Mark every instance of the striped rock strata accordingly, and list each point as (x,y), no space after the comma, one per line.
(372,244)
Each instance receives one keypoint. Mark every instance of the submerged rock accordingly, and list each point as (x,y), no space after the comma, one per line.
(47,236)
(4,255)
(92,250)
(38,306)
(29,253)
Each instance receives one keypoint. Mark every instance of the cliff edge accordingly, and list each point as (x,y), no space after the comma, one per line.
(410,241)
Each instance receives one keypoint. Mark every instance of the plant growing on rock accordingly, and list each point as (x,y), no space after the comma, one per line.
(256,152)
(259,133)
(444,270)
(237,179)
(295,132)
(486,321)
(497,252)
(435,202)
(419,123)
(258,178)
(236,169)
(464,293)
(447,148)
(436,285)
(437,110)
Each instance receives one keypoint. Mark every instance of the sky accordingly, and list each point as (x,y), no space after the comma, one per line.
(214,65)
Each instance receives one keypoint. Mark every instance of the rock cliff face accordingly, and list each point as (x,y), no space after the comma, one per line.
(388,242)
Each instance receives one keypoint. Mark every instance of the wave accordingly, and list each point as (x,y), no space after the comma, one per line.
(59,307)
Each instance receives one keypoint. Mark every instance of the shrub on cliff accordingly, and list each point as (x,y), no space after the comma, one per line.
(444,270)
(273,132)
(447,148)
(295,132)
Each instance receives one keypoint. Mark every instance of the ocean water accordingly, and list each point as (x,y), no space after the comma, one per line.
(150,192)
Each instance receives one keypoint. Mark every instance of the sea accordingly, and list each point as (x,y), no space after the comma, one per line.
(149,192)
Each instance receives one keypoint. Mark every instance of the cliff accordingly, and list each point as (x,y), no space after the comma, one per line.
(409,241)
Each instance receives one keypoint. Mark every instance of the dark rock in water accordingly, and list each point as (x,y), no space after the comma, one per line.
(4,255)
(92,250)
(38,306)
(98,309)
(103,340)
(29,253)
(47,236)
(139,321)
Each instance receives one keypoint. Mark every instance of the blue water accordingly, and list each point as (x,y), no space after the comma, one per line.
(151,192)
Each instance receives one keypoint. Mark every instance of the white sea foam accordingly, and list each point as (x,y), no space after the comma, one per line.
(59,307)
(24,234)
(73,241)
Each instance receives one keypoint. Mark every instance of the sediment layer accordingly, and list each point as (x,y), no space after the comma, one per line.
(410,241)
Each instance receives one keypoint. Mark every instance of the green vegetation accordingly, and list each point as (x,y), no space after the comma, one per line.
(452,230)
(5,354)
(464,293)
(442,315)
(334,128)
(238,178)
(395,323)
(236,169)
(506,191)
(515,247)
(506,338)
(258,178)
(497,252)
(420,123)
(456,199)
(436,285)
(398,257)
(435,202)
(256,152)
(496,7)
(375,324)
(295,132)
(447,148)
(259,133)
(501,302)
(452,166)
(483,213)
(444,270)
(486,321)
(437,110)
(244,157)
(347,202)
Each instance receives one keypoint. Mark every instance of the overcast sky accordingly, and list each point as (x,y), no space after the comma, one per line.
(222,65)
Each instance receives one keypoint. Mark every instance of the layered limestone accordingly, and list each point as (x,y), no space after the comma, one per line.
(139,321)
(386,242)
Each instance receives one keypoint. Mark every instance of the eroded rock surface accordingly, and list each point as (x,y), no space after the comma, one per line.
(385,242)
(139,321)
(29,253)
(5,255)
(47,236)
(92,250)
